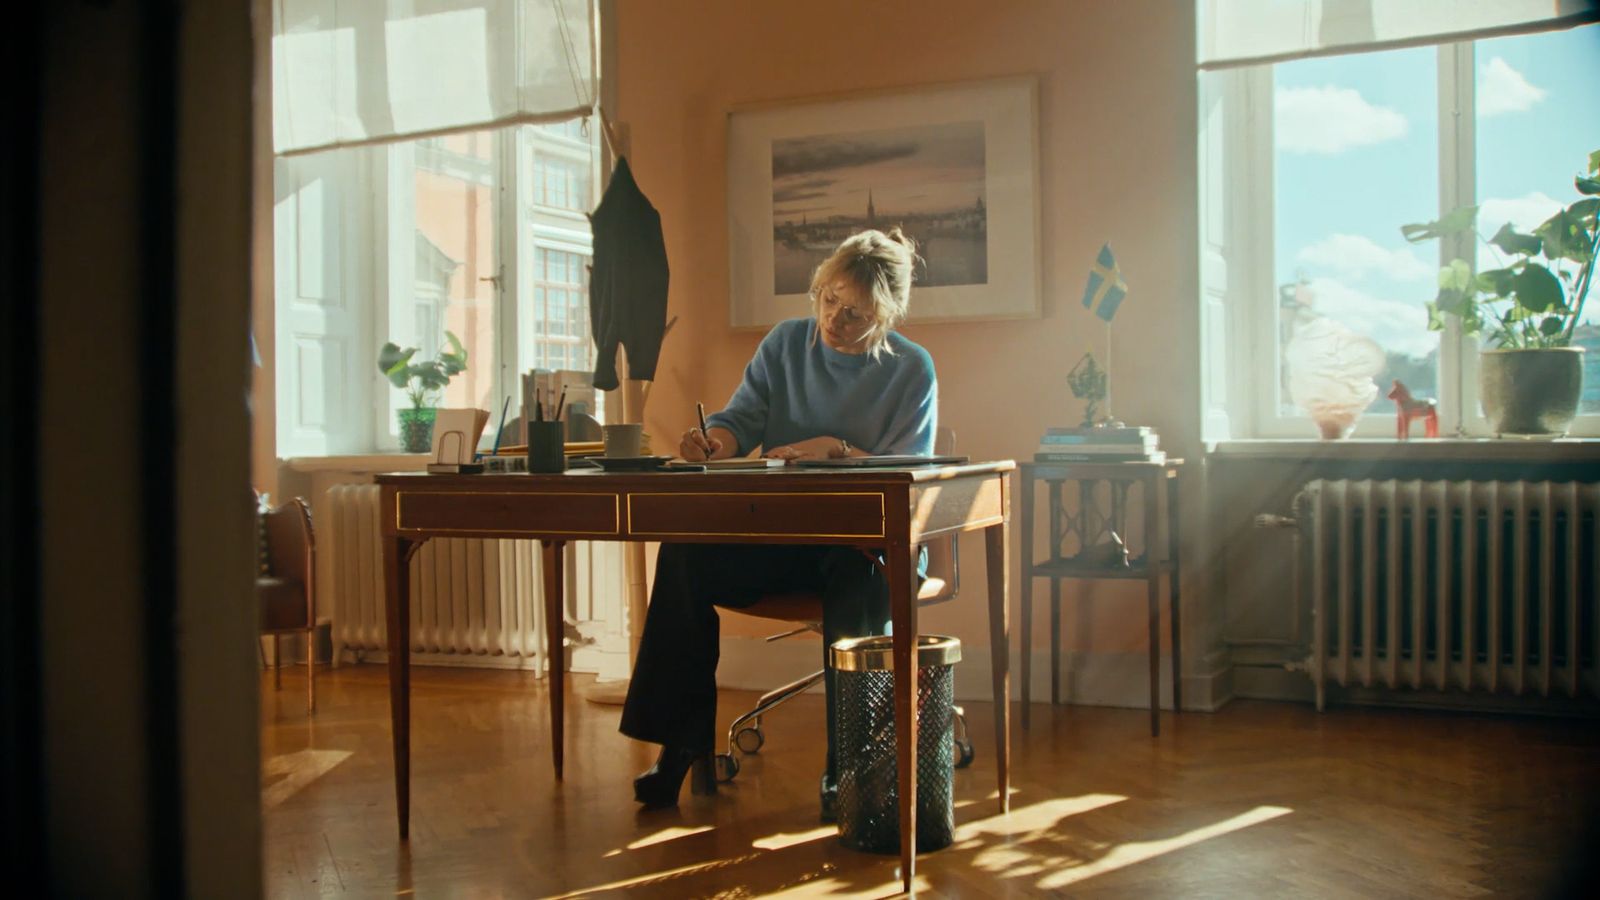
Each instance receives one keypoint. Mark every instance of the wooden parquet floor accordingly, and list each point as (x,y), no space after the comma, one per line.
(1259,800)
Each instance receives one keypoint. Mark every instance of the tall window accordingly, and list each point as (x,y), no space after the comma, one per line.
(561,304)
(1329,156)
(475,234)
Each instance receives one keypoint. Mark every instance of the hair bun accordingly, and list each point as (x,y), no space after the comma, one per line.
(898,236)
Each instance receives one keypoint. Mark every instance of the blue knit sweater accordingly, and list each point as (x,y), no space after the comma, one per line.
(797,387)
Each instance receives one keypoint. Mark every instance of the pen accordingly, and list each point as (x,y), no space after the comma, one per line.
(700,410)
(561,403)
(504,408)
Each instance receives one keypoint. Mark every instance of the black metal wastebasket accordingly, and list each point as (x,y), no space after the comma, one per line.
(869,811)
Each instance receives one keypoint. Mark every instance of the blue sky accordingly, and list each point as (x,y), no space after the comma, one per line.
(1357,157)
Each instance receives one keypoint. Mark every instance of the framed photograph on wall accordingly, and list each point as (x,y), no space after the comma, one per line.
(956,167)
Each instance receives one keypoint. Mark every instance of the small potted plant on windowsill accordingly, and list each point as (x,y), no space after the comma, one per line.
(1530,377)
(422,383)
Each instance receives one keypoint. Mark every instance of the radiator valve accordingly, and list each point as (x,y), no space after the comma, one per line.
(1272,520)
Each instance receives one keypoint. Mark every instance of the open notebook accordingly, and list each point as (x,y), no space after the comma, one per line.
(868,462)
(738,462)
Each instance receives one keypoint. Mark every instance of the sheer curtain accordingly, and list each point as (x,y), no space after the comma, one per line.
(353,72)
(1248,32)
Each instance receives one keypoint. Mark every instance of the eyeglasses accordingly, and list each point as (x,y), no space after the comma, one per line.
(848,313)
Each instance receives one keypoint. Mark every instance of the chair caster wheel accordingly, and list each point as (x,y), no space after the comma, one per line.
(726,767)
(749,739)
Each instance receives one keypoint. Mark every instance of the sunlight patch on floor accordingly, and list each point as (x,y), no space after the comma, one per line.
(658,878)
(1138,851)
(286,775)
(789,839)
(661,837)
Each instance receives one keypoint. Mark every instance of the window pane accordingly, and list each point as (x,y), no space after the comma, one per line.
(1537,124)
(455,186)
(1355,156)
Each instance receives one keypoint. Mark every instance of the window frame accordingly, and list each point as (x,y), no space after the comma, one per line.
(377,251)
(1243,238)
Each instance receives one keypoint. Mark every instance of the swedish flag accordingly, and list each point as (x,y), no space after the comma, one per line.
(1106,287)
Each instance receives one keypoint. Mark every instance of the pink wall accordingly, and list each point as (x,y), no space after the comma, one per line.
(1117,162)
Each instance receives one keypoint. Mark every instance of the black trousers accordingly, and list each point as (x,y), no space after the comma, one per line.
(672,698)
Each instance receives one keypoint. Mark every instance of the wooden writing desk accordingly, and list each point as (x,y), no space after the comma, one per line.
(888,509)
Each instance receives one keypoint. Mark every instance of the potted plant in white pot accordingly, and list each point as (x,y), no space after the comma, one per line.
(1530,377)
(422,383)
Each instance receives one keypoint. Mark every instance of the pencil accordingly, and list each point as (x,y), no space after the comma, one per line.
(504,408)
(700,410)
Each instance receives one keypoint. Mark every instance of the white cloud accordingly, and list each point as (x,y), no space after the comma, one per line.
(1525,213)
(1354,256)
(1399,326)
(1503,89)
(1331,120)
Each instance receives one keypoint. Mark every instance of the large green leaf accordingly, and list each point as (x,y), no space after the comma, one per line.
(1552,325)
(1457,276)
(1453,302)
(1512,241)
(1495,281)
(392,362)
(455,359)
(1459,220)
(1585,209)
(1535,289)
(1564,237)
(1587,184)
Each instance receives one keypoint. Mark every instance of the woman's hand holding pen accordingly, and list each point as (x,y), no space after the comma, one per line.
(696,445)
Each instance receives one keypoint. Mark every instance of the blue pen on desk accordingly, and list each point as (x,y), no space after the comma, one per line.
(504,408)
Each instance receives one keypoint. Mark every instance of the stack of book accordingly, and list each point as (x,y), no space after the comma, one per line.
(1124,444)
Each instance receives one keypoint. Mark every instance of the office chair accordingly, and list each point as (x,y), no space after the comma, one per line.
(285,589)
(940,585)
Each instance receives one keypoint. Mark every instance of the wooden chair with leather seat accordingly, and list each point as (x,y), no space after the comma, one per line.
(940,585)
(285,591)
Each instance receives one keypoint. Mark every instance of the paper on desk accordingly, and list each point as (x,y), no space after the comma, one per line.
(456,433)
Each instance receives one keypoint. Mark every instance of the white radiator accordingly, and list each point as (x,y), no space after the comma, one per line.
(474,602)
(1453,586)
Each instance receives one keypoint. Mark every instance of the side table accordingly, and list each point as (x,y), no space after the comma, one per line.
(1099,540)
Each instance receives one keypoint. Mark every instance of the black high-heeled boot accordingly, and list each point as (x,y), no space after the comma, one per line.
(659,785)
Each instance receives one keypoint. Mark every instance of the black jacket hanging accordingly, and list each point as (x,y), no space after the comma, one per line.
(628,284)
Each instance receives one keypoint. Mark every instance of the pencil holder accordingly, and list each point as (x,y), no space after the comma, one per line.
(545,447)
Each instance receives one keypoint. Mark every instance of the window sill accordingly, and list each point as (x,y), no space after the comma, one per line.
(365,463)
(1563,450)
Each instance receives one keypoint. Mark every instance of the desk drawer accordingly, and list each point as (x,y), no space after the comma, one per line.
(508,512)
(813,515)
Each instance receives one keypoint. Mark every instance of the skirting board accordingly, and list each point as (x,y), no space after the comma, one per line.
(1090,679)
(579,659)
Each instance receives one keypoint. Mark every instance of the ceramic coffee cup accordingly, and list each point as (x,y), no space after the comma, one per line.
(622,440)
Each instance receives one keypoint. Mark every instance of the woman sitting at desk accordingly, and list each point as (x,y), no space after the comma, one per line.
(838,383)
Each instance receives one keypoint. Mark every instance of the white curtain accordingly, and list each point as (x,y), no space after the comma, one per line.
(1247,32)
(351,72)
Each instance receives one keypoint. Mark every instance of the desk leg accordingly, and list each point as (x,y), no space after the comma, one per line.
(1153,595)
(903,613)
(1027,595)
(1172,596)
(397,604)
(555,644)
(1056,537)
(994,538)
